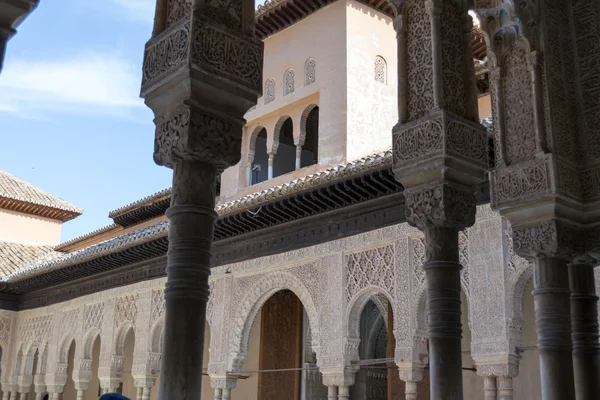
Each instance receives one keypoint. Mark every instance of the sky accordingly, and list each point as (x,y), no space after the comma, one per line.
(72,122)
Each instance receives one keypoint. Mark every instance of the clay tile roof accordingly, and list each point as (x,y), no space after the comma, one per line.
(59,260)
(13,256)
(56,260)
(20,195)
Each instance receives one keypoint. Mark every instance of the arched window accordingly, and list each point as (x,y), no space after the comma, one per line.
(259,162)
(310,75)
(380,70)
(309,136)
(285,159)
(289,82)
(269,90)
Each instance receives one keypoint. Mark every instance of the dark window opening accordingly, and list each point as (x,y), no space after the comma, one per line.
(310,149)
(285,159)
(259,170)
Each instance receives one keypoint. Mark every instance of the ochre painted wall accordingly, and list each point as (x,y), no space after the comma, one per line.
(247,389)
(28,229)
(372,106)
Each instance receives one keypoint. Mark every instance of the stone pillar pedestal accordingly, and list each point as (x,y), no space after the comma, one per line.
(551,296)
(490,389)
(584,314)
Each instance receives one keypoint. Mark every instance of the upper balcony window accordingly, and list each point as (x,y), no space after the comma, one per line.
(259,161)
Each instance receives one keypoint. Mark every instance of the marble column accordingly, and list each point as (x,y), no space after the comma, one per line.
(490,389)
(298,156)
(442,270)
(199,102)
(344,393)
(146,392)
(440,156)
(505,388)
(270,165)
(332,392)
(411,390)
(551,296)
(584,316)
(223,387)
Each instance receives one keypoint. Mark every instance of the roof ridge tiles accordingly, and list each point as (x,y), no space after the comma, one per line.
(17,189)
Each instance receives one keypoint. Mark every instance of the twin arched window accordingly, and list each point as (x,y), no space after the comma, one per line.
(310,67)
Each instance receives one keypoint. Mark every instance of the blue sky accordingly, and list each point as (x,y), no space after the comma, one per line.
(72,120)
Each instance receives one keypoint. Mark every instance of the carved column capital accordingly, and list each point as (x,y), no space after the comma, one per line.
(411,372)
(552,238)
(221,382)
(440,206)
(195,134)
(339,376)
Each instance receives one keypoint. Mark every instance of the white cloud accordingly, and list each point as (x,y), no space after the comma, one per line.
(138,9)
(89,83)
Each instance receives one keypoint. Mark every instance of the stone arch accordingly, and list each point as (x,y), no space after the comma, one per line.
(303,123)
(310,71)
(277,132)
(358,303)
(122,332)
(517,291)
(88,342)
(156,335)
(289,81)
(380,70)
(255,298)
(252,143)
(64,347)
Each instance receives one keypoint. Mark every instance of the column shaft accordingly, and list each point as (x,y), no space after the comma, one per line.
(490,390)
(551,296)
(442,271)
(218,394)
(39,396)
(298,156)
(411,390)
(584,316)
(344,393)
(5,395)
(226,394)
(138,394)
(191,218)
(332,392)
(505,388)
(270,166)
(80,394)
(146,393)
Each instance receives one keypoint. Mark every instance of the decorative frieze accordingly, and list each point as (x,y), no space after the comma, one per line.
(373,267)
(440,206)
(520,183)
